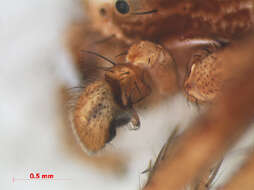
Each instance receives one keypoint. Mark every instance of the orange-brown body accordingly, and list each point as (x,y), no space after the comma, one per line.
(180,27)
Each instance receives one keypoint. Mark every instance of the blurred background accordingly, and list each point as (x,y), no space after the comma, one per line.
(35,136)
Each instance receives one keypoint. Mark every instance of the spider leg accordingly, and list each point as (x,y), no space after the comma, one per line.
(213,133)
(243,179)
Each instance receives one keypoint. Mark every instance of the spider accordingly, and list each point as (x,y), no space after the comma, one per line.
(160,48)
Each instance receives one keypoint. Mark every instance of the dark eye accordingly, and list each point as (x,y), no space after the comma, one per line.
(122,6)
(103,12)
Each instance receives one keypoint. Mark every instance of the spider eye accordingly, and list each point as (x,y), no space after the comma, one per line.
(122,6)
(103,12)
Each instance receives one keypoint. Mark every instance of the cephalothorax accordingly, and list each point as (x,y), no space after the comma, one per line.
(162,19)
(169,45)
